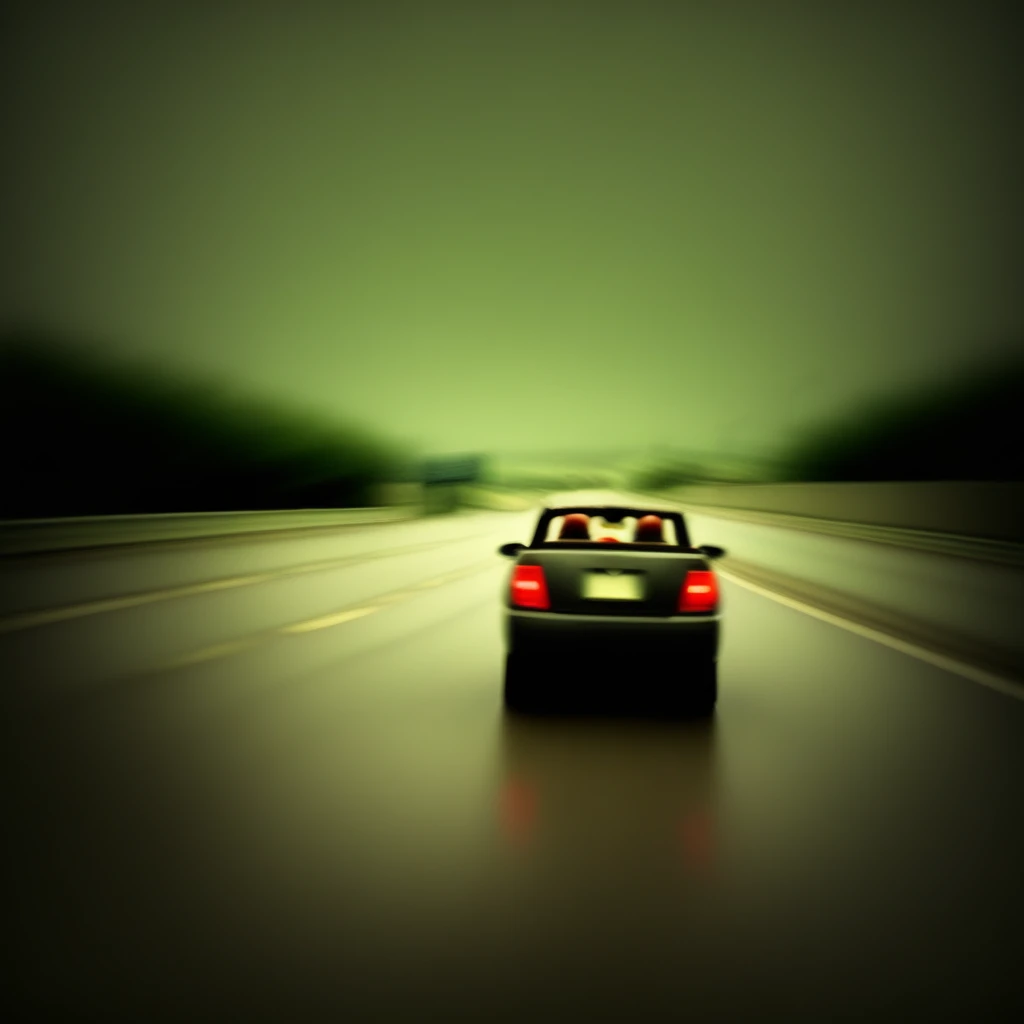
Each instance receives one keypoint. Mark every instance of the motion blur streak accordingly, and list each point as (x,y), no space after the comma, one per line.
(328,621)
(343,823)
(698,841)
(518,810)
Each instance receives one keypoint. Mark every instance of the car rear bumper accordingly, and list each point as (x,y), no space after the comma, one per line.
(603,637)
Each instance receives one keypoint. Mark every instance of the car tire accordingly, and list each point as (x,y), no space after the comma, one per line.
(517,689)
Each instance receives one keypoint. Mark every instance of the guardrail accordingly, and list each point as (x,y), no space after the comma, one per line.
(976,509)
(27,536)
(956,545)
(30,536)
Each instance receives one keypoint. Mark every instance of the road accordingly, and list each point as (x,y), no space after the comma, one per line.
(272,780)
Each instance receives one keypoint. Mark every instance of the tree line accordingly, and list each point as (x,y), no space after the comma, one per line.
(967,427)
(87,435)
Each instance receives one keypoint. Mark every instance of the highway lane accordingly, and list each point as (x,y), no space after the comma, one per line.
(35,582)
(343,819)
(175,602)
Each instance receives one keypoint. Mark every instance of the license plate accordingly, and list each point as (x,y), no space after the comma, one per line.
(598,586)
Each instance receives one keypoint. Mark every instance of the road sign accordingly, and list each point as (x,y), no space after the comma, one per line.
(453,469)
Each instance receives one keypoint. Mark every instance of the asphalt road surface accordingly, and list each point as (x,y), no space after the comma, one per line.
(272,780)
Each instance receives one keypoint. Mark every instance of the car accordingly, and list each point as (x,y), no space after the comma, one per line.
(609,598)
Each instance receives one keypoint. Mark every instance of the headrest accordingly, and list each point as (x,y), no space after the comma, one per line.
(575,527)
(649,529)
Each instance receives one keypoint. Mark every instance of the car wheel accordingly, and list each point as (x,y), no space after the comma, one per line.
(517,691)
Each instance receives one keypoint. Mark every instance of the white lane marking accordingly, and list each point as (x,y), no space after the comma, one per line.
(328,620)
(961,668)
(27,620)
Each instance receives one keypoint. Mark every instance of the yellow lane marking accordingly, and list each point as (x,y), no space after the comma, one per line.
(210,653)
(961,668)
(27,620)
(336,618)
(427,584)
(324,621)
(327,620)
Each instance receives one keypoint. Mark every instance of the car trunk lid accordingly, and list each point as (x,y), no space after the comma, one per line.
(597,581)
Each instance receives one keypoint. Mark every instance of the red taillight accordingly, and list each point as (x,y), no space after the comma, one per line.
(529,588)
(699,592)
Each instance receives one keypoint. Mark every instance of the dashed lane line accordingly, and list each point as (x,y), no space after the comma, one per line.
(29,620)
(328,621)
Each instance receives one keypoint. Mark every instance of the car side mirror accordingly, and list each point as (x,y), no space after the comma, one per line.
(710,551)
(511,550)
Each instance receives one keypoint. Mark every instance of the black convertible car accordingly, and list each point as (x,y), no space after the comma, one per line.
(608,594)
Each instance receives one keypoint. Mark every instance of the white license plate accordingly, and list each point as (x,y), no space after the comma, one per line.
(598,586)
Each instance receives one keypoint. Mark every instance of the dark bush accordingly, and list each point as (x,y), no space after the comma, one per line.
(86,435)
(966,429)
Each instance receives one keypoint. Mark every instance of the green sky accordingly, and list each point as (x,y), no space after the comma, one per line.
(500,226)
